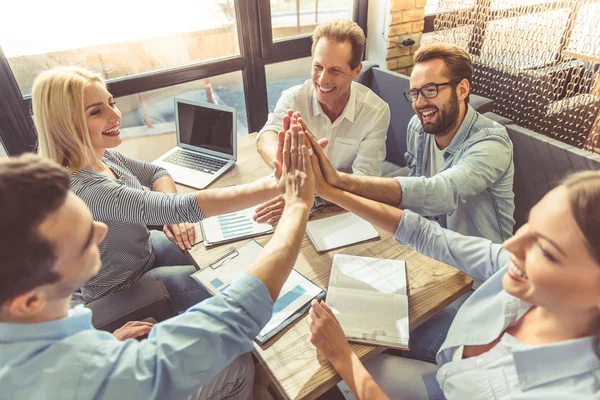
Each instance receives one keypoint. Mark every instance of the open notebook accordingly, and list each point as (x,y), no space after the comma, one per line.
(338,231)
(369,298)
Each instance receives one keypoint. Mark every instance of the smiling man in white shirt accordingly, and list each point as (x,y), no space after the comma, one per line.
(352,119)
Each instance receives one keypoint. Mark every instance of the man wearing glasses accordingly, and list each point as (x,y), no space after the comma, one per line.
(460,162)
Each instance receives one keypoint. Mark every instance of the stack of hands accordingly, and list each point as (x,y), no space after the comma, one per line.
(301,168)
(326,176)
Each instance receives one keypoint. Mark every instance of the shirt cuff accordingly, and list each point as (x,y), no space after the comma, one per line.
(252,294)
(413,191)
(188,207)
(408,227)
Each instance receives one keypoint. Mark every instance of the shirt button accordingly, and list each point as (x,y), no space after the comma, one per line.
(420,146)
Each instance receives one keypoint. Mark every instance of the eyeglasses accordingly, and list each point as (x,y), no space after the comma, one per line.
(428,91)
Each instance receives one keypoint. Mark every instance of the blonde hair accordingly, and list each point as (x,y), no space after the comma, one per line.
(342,30)
(59,116)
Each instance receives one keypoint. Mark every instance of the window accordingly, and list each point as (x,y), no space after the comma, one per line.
(153,112)
(291,18)
(140,37)
(2,150)
(213,50)
(284,75)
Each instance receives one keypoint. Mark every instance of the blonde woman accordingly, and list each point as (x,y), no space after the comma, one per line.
(531,331)
(78,123)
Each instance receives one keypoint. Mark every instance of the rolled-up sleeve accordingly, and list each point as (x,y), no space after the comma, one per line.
(476,257)
(372,151)
(185,352)
(483,163)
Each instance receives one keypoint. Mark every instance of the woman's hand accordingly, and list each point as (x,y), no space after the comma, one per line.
(133,329)
(326,334)
(183,235)
(270,211)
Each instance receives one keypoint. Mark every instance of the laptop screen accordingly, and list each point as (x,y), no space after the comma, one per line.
(206,127)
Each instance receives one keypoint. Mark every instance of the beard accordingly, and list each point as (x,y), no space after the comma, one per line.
(447,118)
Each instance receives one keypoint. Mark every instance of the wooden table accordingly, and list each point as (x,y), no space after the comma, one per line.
(296,368)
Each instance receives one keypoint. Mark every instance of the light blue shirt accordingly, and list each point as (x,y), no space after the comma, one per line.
(68,359)
(510,370)
(473,192)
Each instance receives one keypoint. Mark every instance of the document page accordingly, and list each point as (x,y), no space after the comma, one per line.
(369,297)
(371,316)
(232,226)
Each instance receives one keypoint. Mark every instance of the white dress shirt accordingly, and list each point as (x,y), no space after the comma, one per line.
(356,138)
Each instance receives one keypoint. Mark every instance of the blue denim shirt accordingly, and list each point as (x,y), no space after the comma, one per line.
(510,370)
(68,359)
(473,192)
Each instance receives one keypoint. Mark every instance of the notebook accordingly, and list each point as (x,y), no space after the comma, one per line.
(231,227)
(294,298)
(369,298)
(338,231)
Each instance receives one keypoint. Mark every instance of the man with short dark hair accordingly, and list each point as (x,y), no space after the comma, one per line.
(50,248)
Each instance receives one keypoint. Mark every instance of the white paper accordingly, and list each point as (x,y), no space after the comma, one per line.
(346,392)
(368,296)
(233,226)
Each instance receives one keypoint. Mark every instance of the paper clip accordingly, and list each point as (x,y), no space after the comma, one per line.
(230,255)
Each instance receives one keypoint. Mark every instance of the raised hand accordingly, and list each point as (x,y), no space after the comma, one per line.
(297,180)
(331,175)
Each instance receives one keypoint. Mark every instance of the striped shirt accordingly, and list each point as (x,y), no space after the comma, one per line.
(127,208)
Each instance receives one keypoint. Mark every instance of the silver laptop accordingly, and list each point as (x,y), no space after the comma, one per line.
(206,143)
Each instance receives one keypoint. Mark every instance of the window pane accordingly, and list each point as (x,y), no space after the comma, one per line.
(291,18)
(284,75)
(139,38)
(2,150)
(153,113)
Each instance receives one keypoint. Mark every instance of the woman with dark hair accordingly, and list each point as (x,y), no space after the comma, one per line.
(531,331)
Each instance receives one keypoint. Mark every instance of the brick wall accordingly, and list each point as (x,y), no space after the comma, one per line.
(406,22)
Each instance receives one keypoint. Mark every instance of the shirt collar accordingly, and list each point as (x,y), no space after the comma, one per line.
(538,365)
(349,110)
(463,131)
(79,319)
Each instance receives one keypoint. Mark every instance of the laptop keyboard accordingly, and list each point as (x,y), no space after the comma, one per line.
(195,161)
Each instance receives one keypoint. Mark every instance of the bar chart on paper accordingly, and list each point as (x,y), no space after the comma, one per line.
(232,226)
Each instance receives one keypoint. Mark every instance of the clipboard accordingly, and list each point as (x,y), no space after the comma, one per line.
(293,301)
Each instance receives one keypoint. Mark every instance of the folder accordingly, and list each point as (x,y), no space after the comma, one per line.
(293,301)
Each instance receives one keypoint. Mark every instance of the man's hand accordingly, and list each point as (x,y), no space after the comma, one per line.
(326,334)
(297,181)
(183,235)
(332,176)
(133,329)
(270,211)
